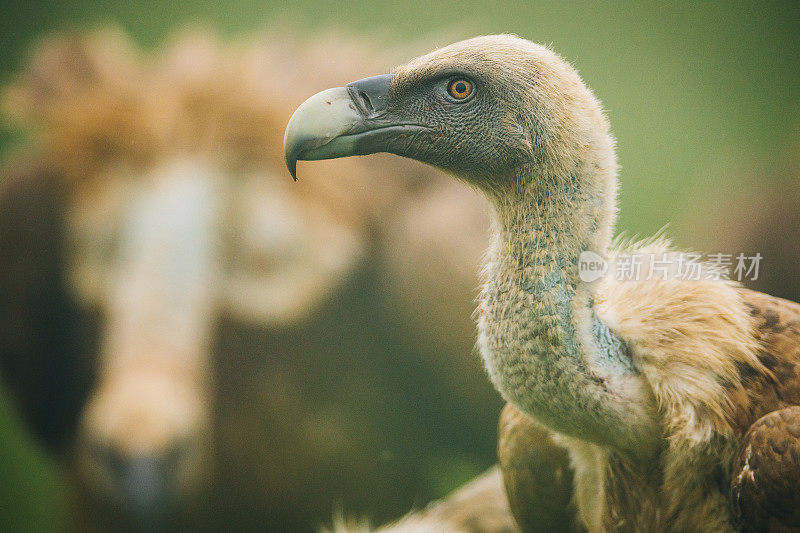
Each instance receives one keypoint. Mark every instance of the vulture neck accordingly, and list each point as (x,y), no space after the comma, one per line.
(544,346)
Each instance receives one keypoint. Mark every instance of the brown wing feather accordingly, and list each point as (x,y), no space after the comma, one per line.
(765,475)
(538,477)
(536,473)
(765,487)
(778,331)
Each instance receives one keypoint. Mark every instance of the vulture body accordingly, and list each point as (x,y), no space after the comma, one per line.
(651,383)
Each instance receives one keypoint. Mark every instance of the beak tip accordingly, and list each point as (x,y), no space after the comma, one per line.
(291,164)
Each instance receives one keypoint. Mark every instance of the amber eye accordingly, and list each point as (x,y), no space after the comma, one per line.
(460,89)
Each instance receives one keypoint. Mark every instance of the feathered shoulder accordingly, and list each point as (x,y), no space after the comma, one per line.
(690,332)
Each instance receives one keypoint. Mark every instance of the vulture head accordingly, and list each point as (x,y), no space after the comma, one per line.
(488,110)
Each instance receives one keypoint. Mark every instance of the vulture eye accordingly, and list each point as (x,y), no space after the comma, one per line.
(460,89)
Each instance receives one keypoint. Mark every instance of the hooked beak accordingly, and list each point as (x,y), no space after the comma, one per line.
(344,121)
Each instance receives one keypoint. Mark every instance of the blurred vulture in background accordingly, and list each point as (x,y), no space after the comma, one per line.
(207,343)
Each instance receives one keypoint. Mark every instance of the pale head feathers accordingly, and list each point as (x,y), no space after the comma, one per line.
(551,111)
(564,138)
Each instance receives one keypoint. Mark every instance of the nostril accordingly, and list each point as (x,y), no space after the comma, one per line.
(370,95)
(366,102)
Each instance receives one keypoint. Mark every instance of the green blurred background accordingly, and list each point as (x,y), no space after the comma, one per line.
(704,99)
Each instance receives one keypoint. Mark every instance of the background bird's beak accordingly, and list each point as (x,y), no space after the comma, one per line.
(144,493)
(344,121)
(145,487)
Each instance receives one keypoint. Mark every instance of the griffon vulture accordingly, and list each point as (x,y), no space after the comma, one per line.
(675,398)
